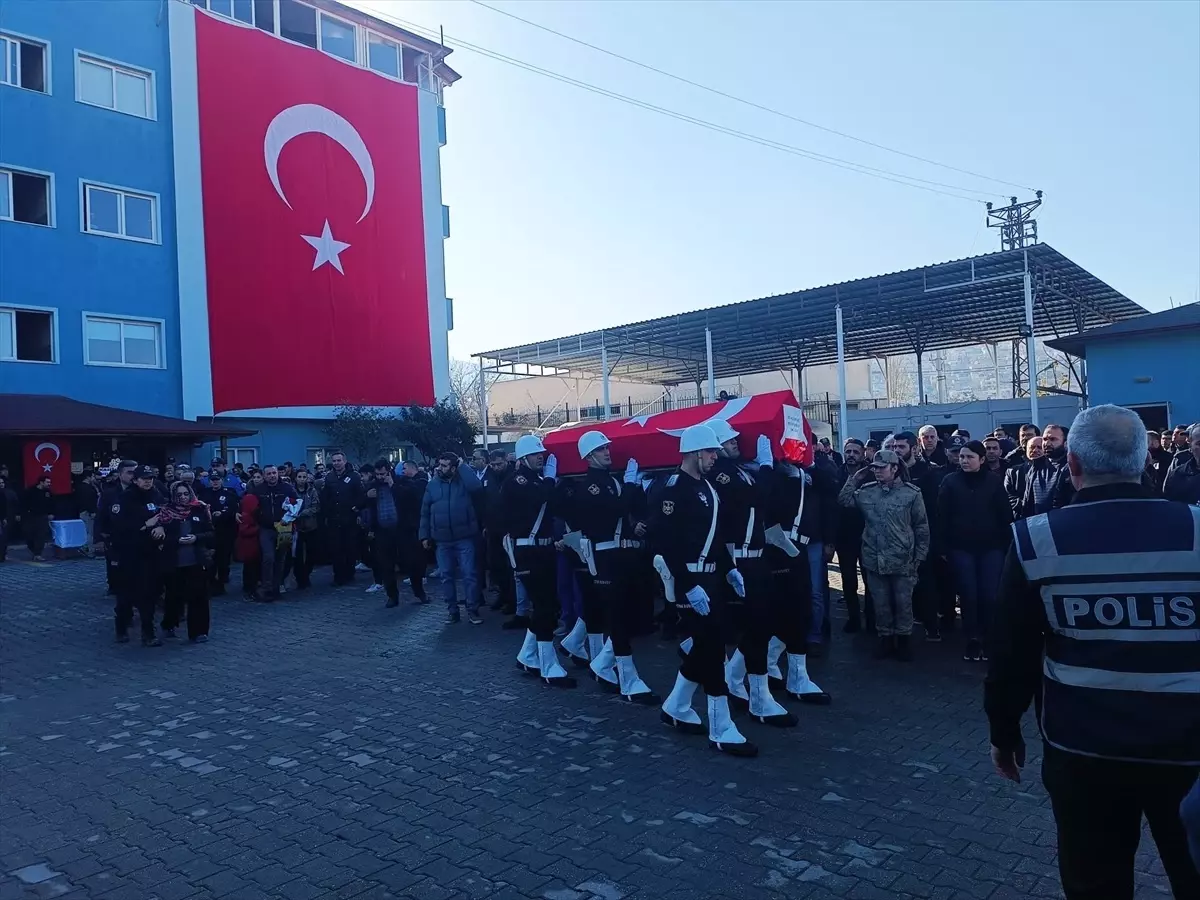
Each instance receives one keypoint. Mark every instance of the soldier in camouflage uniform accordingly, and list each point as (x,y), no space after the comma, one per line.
(895,543)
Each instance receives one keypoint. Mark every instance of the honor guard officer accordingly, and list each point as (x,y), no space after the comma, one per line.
(527,497)
(137,537)
(1097,619)
(695,568)
(744,498)
(792,599)
(602,509)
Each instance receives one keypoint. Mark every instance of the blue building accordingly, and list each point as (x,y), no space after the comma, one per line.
(91,306)
(1148,364)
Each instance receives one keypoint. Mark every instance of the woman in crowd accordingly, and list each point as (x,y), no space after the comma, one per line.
(246,548)
(974,519)
(188,535)
(305,530)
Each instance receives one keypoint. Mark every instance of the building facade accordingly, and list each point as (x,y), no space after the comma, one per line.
(114,287)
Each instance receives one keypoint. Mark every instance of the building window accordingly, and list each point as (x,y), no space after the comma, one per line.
(416,67)
(24,63)
(26,335)
(383,55)
(298,23)
(117,212)
(338,38)
(116,87)
(25,197)
(264,15)
(122,342)
(247,456)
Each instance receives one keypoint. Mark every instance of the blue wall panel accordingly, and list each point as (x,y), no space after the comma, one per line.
(1117,373)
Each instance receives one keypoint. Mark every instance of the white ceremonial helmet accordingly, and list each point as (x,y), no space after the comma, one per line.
(528,444)
(698,437)
(722,429)
(590,442)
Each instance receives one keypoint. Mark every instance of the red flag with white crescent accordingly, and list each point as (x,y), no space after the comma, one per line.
(313,230)
(48,457)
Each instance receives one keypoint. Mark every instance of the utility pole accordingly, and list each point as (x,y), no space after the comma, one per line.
(1017,226)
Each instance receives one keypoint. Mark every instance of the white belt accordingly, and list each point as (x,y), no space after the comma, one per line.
(801,539)
(705,568)
(534,542)
(617,545)
(739,553)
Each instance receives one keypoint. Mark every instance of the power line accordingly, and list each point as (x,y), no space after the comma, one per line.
(912,181)
(751,103)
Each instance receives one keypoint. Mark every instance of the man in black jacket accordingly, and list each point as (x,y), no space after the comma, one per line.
(341,498)
(223,503)
(271,494)
(849,544)
(1183,478)
(412,484)
(37,511)
(136,535)
(490,512)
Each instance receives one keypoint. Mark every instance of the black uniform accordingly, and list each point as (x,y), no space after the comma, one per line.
(602,507)
(224,505)
(136,556)
(849,552)
(110,496)
(341,498)
(491,514)
(744,500)
(792,602)
(528,498)
(684,526)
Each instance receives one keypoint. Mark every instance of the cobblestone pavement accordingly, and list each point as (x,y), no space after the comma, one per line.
(327,747)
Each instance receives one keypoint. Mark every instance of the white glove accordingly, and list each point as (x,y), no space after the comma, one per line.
(699,600)
(631,472)
(550,469)
(763,457)
(739,583)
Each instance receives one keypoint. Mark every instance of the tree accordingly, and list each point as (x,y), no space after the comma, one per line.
(361,431)
(432,429)
(464,387)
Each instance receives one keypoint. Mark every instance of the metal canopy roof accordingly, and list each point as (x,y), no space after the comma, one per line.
(969,301)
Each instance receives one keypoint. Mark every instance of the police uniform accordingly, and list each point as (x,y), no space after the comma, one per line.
(527,498)
(602,510)
(792,586)
(110,497)
(224,504)
(1097,619)
(136,556)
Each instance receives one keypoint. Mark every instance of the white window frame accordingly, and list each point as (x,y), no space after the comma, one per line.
(233,457)
(23,307)
(122,320)
(366,44)
(47,68)
(125,68)
(50,199)
(354,26)
(85,183)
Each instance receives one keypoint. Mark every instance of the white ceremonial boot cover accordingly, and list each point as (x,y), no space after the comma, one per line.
(798,681)
(678,704)
(762,704)
(735,675)
(574,642)
(627,674)
(775,650)
(604,663)
(528,657)
(548,661)
(721,729)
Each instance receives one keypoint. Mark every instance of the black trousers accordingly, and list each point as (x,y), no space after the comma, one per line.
(849,554)
(754,629)
(187,590)
(137,588)
(1098,807)
(223,539)
(385,552)
(705,663)
(251,574)
(617,598)
(791,598)
(343,550)
(594,613)
(303,558)
(500,570)
(37,533)
(413,562)
(537,567)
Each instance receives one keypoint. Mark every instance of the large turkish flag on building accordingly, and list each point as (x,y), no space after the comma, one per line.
(313,227)
(48,458)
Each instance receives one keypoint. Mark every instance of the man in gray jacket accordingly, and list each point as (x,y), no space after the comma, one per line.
(448,521)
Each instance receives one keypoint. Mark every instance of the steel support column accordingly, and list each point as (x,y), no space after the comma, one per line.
(1031,349)
(483,406)
(712,381)
(841,354)
(604,416)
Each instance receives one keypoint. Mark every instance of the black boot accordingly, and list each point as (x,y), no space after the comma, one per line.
(885,648)
(852,626)
(515,622)
(904,648)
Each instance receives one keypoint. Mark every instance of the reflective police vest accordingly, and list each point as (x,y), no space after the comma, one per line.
(1120,581)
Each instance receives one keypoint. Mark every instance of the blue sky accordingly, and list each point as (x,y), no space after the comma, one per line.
(572,211)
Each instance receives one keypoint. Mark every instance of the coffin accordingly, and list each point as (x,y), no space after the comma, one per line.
(653,439)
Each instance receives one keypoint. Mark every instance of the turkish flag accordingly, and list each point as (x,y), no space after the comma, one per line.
(48,456)
(313,228)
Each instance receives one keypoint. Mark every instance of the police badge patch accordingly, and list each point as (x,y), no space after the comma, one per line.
(116,508)
(722,478)
(521,479)
(594,489)
(668,507)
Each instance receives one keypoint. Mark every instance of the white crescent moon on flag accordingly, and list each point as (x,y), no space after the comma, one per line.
(310,118)
(37,451)
(727,412)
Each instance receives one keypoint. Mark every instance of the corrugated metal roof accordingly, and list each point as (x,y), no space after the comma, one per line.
(53,414)
(974,300)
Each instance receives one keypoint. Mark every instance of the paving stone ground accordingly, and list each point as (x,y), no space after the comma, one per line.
(326,747)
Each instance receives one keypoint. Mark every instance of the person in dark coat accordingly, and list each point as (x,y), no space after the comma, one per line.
(974,519)
(849,544)
(341,496)
(1016,475)
(188,529)
(37,511)
(1182,482)
(412,484)
(491,514)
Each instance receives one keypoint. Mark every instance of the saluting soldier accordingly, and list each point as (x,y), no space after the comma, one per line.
(695,567)
(527,498)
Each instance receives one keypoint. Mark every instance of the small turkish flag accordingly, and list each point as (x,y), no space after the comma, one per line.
(314,236)
(48,457)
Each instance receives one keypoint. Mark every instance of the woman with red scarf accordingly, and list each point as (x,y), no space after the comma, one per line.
(188,532)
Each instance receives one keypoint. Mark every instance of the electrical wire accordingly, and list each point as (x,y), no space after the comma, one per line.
(936,187)
(751,103)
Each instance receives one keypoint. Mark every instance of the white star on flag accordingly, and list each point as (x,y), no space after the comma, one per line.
(327,249)
(640,420)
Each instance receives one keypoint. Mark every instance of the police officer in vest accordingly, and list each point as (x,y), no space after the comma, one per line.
(602,509)
(527,497)
(695,567)
(137,538)
(1097,622)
